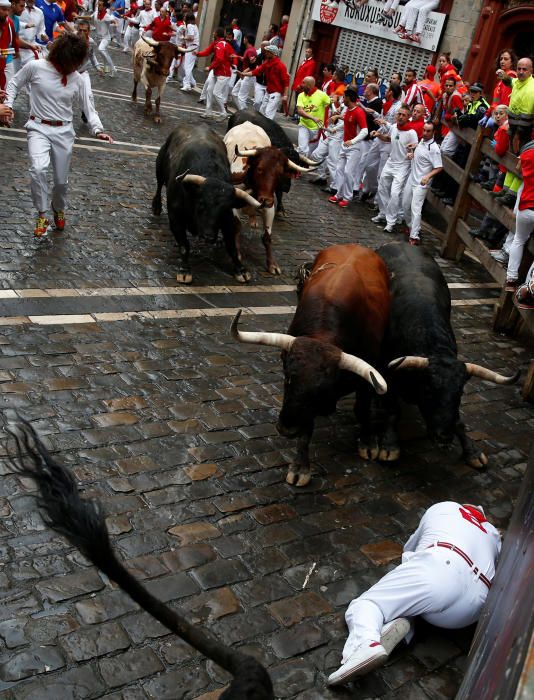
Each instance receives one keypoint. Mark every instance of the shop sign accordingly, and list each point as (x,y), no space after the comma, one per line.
(368,19)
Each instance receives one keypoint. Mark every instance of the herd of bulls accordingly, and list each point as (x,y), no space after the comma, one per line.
(376,324)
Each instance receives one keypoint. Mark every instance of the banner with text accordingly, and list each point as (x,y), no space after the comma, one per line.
(368,19)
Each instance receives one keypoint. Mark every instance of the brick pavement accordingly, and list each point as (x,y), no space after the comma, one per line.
(171,425)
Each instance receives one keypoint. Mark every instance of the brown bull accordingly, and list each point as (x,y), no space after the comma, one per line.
(259,168)
(151,65)
(332,348)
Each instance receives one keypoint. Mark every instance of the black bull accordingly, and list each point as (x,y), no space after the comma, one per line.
(192,164)
(421,350)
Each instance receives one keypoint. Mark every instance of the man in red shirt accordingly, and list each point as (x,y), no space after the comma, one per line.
(8,39)
(244,88)
(308,67)
(451,101)
(413,94)
(524,221)
(284,22)
(161,26)
(219,73)
(354,132)
(276,78)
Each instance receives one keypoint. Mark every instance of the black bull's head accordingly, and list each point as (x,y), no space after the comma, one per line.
(311,372)
(437,387)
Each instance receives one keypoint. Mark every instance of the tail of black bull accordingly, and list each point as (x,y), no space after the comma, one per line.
(82,523)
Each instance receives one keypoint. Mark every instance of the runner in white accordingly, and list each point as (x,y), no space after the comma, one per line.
(103,20)
(445,575)
(426,164)
(55,83)
(396,169)
(32,27)
(191,43)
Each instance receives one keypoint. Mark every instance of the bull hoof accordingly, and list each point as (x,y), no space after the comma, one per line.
(389,455)
(243,277)
(478,461)
(157,120)
(274,269)
(184,277)
(297,478)
(281,214)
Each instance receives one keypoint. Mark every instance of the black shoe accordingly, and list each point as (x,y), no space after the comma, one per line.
(448,201)
(438,193)
(488,185)
(84,118)
(329,190)
(479,232)
(499,194)
(319,181)
(508,200)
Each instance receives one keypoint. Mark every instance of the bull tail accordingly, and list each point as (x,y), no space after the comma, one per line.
(302,273)
(81,521)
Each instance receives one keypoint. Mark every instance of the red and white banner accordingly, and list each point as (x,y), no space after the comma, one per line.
(368,19)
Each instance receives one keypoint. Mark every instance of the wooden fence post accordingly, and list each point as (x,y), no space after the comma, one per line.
(453,246)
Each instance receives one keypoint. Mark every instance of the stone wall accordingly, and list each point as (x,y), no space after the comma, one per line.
(460,28)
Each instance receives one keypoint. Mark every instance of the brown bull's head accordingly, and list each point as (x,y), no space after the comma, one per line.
(163,55)
(266,168)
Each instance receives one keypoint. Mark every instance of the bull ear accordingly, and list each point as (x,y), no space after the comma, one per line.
(409,362)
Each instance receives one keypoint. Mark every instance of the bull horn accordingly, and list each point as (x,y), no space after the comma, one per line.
(277,340)
(489,375)
(182,50)
(299,168)
(354,364)
(249,199)
(409,362)
(249,153)
(194,179)
(180,177)
(309,161)
(150,41)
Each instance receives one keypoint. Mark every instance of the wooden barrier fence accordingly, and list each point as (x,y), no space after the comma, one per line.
(507,317)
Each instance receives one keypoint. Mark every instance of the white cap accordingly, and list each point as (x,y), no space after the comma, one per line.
(5,3)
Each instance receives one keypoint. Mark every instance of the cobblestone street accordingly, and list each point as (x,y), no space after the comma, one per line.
(137,385)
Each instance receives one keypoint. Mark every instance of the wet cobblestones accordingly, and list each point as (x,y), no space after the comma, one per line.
(171,425)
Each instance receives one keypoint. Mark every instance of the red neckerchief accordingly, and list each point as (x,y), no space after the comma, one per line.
(387,106)
(102,13)
(310,93)
(405,127)
(61,72)
(480,517)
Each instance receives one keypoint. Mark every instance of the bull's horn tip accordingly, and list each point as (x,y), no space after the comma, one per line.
(513,379)
(394,364)
(233,327)
(379,385)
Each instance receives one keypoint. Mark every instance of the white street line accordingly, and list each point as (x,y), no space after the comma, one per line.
(108,149)
(127,98)
(93,140)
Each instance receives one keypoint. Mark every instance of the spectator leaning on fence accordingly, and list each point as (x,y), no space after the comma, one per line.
(524,222)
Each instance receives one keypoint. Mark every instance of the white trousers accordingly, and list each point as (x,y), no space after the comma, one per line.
(524,226)
(434,583)
(270,104)
(365,147)
(412,203)
(230,85)
(390,188)
(204,92)
(49,144)
(376,160)
(216,93)
(243,91)
(391,5)
(415,13)
(87,80)
(131,36)
(103,49)
(321,154)
(347,168)
(188,64)
(259,94)
(307,140)
(449,144)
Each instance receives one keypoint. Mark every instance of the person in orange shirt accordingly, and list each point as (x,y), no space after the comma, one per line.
(430,88)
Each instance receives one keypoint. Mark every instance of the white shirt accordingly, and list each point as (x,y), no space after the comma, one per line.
(49,98)
(145,18)
(34,16)
(399,143)
(450,522)
(91,59)
(192,36)
(238,36)
(102,26)
(426,157)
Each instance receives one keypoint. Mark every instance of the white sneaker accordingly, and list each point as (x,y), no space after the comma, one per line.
(378,219)
(500,256)
(388,228)
(394,632)
(363,659)
(185,89)
(205,115)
